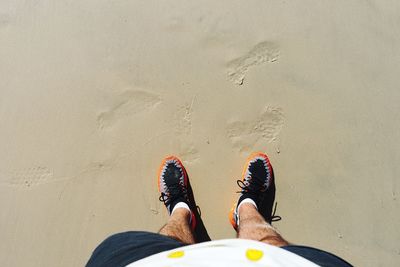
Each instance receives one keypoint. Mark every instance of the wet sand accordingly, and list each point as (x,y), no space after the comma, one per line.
(93,94)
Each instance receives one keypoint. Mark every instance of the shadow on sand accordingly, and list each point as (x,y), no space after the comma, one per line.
(200,232)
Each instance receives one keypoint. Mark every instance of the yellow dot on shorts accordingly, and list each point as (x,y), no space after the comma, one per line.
(176,254)
(254,254)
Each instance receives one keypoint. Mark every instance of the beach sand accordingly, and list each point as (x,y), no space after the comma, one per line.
(94,93)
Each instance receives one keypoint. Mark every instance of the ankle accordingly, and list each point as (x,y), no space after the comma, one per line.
(180,214)
(246,208)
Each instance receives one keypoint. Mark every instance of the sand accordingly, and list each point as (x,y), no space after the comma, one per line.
(93,94)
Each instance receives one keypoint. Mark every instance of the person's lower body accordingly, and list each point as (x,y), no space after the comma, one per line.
(122,249)
(251,217)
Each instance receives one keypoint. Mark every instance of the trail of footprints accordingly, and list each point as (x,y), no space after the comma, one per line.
(243,134)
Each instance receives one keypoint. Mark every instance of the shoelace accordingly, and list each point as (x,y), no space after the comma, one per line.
(275,218)
(176,191)
(255,187)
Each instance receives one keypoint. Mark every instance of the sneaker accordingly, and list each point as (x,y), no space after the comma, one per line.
(257,184)
(173,185)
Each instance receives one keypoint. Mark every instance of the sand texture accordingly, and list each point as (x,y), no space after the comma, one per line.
(94,93)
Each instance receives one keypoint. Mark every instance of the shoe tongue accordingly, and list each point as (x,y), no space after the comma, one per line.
(175,195)
(176,201)
(251,195)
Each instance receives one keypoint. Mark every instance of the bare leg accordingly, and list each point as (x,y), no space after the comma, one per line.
(178,227)
(253,226)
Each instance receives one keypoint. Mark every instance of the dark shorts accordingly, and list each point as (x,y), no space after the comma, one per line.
(121,249)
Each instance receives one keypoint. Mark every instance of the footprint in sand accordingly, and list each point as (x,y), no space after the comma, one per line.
(34,176)
(127,103)
(7,13)
(189,153)
(266,128)
(4,20)
(261,53)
